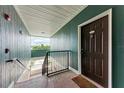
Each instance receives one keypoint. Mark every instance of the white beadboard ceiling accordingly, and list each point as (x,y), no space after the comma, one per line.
(45,20)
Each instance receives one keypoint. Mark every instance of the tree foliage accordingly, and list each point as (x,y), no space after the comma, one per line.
(41,47)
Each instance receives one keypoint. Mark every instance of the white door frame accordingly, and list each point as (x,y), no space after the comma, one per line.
(109,13)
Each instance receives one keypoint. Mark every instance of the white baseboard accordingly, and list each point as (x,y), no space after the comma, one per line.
(13,82)
(11,85)
(74,70)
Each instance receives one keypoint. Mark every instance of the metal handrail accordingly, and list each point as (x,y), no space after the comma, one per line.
(21,63)
(59,51)
(17,60)
(45,63)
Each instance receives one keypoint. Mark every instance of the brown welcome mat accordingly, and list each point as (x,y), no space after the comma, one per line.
(82,82)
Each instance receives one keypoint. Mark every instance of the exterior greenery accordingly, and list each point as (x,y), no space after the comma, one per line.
(41,47)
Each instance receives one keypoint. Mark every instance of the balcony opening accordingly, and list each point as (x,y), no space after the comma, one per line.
(39,48)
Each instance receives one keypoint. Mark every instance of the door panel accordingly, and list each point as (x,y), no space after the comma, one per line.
(94,50)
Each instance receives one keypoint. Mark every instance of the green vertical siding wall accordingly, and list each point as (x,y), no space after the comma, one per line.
(67,38)
(19,45)
(38,53)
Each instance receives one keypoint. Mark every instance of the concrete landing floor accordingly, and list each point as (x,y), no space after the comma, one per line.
(63,80)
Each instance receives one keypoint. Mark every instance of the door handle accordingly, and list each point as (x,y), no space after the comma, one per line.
(9,61)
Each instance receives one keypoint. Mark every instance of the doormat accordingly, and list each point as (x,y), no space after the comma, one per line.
(82,82)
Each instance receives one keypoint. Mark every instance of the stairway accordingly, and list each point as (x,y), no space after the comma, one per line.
(37,82)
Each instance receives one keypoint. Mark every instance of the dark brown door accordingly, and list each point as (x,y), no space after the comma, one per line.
(94,51)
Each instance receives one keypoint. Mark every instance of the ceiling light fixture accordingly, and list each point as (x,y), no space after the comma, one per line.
(43,32)
(20,31)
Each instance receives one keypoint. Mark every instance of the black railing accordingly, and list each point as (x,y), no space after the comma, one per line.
(44,65)
(56,62)
(18,61)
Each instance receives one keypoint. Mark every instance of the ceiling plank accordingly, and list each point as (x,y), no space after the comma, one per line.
(47,18)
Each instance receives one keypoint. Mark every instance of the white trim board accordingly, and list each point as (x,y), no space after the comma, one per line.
(109,13)
(11,84)
(74,70)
